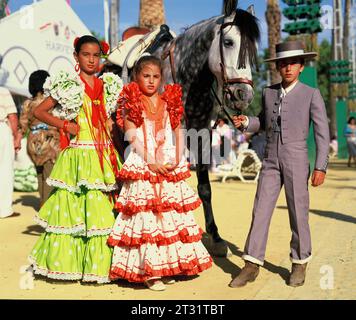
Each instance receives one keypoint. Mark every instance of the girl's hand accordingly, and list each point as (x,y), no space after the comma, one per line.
(171,166)
(17,143)
(110,124)
(158,168)
(73,128)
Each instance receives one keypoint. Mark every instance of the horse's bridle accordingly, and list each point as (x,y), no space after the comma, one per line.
(226,82)
(169,51)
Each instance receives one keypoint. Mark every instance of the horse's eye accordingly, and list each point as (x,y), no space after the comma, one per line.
(228,43)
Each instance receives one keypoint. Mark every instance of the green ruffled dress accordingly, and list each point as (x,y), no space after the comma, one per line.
(78,216)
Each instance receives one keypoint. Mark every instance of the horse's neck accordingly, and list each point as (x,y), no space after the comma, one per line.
(199,100)
(192,71)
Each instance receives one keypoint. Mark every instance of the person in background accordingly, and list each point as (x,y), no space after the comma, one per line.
(350,134)
(258,143)
(10,143)
(225,133)
(333,147)
(43,140)
(215,149)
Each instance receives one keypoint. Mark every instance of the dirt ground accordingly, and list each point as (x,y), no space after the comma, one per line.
(329,276)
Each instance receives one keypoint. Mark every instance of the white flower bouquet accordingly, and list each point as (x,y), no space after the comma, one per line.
(68,90)
(113,85)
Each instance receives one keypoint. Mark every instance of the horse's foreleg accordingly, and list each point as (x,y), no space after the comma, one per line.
(218,245)
(204,191)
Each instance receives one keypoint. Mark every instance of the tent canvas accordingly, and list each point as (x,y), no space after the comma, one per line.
(38,36)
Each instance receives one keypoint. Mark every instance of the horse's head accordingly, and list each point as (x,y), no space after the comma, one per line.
(232,54)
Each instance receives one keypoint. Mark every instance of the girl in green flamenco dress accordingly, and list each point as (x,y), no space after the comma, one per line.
(78,215)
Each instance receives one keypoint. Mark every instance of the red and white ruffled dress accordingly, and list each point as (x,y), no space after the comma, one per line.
(155,233)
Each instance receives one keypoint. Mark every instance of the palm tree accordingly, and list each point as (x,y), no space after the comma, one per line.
(151,14)
(273,17)
(346,29)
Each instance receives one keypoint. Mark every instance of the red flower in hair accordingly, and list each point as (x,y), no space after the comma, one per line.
(105,47)
(75,41)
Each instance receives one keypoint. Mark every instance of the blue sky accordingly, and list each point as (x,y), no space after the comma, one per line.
(179,13)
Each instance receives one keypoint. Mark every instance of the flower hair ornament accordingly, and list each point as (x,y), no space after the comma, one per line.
(75,42)
(105,48)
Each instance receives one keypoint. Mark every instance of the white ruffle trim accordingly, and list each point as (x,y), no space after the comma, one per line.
(53,275)
(95,278)
(66,275)
(79,230)
(81,183)
(98,232)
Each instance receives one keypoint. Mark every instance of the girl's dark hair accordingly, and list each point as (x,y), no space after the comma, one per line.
(36,81)
(143,61)
(350,119)
(86,39)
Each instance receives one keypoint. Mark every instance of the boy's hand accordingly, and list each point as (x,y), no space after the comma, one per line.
(239,121)
(318,178)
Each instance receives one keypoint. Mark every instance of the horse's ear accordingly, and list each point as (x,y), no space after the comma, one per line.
(251,10)
(229,7)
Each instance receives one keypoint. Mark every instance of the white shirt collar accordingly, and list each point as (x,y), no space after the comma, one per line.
(285,91)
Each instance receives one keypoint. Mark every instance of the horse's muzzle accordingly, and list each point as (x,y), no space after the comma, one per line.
(240,95)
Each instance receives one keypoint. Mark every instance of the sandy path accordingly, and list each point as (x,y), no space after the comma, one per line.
(330,274)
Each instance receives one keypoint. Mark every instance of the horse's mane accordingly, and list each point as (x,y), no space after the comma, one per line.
(197,39)
(250,34)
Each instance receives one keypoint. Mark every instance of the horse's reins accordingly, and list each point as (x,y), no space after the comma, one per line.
(169,52)
(226,82)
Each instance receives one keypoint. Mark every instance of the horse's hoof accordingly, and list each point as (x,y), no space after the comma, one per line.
(220,249)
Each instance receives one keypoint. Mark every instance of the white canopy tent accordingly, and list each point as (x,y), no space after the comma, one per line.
(38,36)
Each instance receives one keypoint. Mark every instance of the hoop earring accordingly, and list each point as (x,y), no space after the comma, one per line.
(77,68)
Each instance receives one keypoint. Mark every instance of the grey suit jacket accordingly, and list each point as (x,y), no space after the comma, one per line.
(301,106)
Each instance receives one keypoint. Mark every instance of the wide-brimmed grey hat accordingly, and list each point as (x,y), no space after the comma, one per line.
(291,49)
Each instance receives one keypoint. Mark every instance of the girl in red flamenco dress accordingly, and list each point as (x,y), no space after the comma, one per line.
(155,235)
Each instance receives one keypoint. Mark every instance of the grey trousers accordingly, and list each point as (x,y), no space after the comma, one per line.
(284,165)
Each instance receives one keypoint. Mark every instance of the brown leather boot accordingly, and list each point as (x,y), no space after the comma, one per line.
(248,274)
(297,276)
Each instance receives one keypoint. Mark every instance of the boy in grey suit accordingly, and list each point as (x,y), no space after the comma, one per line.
(287,110)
